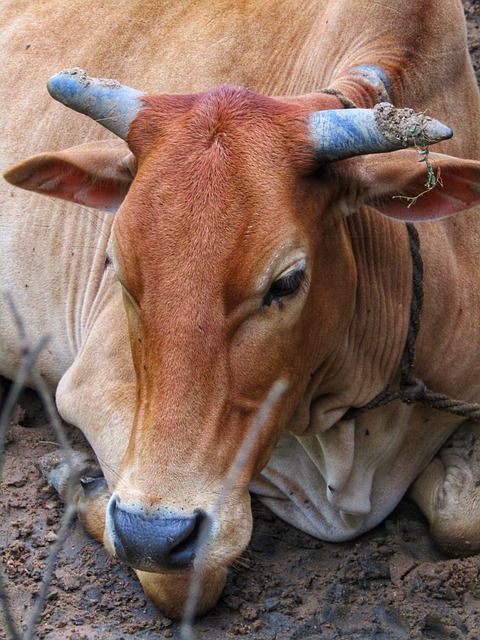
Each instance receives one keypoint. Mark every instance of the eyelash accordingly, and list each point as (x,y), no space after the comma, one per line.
(285,286)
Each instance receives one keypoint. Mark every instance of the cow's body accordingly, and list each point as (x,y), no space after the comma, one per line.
(334,479)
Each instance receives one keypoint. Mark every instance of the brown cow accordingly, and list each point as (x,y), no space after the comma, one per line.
(248,247)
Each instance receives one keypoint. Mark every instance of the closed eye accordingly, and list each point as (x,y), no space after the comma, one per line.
(286,286)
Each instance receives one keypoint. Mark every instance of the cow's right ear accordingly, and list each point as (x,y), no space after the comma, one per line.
(95,174)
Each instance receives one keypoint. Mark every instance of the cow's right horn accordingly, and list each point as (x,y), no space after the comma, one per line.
(337,134)
(109,103)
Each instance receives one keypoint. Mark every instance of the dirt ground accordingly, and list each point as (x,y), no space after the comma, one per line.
(390,584)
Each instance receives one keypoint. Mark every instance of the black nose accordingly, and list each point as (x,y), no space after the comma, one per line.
(155,542)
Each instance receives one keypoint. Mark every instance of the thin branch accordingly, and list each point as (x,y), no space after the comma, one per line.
(67,518)
(27,372)
(241,459)
(6,609)
(15,390)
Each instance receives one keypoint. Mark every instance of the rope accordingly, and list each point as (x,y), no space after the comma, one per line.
(411,388)
(347,103)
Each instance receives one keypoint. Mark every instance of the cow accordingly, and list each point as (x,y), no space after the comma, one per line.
(260,183)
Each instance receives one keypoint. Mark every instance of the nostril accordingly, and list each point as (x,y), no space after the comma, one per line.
(158,541)
(193,538)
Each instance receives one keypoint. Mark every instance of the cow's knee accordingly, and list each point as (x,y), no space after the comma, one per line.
(91,494)
(448,492)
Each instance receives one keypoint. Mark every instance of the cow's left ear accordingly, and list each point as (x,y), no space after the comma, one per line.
(96,174)
(398,185)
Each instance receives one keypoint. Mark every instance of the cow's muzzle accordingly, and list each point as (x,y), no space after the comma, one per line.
(158,541)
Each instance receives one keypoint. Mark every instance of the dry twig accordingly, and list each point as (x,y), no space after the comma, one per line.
(28,373)
(241,459)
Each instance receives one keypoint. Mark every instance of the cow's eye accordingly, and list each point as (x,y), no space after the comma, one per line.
(285,286)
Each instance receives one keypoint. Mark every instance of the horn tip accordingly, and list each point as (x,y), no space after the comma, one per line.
(104,100)
(440,132)
(408,127)
(66,80)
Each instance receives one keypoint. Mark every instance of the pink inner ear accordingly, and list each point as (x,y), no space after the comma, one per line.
(58,178)
(457,189)
(106,194)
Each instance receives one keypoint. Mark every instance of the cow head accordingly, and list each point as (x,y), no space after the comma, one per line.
(237,271)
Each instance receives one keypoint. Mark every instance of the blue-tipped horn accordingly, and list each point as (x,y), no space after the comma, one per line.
(106,101)
(343,133)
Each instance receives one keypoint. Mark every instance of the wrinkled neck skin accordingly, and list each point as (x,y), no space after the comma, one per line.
(367,345)
(368,341)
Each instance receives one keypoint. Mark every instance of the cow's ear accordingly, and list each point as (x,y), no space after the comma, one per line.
(95,174)
(404,186)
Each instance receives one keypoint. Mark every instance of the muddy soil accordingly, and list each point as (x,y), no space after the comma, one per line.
(472,15)
(390,584)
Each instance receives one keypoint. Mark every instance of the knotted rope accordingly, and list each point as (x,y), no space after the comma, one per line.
(346,102)
(411,389)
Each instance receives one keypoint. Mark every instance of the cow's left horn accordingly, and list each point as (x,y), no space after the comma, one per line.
(342,133)
(106,101)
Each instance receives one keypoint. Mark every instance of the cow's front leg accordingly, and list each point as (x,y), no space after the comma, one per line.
(91,495)
(448,492)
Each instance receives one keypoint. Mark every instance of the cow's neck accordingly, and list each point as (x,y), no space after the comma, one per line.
(370,354)
(366,355)
(382,308)
(411,388)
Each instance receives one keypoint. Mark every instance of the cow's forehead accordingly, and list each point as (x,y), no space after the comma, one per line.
(227,126)
(227,241)
(215,179)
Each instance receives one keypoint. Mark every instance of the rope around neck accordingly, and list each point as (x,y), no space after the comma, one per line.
(346,102)
(412,389)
